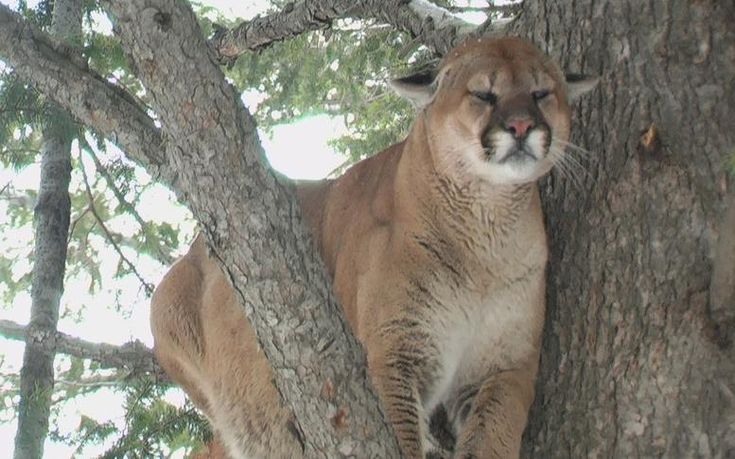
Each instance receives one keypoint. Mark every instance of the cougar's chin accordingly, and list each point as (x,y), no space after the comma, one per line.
(511,161)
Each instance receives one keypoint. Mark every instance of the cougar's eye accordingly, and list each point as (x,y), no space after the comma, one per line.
(486,96)
(540,94)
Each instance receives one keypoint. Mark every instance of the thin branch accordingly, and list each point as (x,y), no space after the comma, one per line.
(17,109)
(162,256)
(95,381)
(436,27)
(110,180)
(148,287)
(508,9)
(74,223)
(134,357)
(66,390)
(12,330)
(469,9)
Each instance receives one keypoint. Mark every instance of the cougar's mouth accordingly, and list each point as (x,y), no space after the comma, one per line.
(520,153)
(503,148)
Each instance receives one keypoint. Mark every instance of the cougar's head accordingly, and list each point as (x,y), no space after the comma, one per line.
(495,109)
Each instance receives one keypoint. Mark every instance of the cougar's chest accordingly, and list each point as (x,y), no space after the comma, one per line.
(487,327)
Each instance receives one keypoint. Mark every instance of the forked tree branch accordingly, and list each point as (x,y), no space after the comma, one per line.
(211,156)
(54,70)
(254,227)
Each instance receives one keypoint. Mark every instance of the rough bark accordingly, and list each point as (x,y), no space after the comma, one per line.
(722,287)
(630,367)
(51,220)
(133,357)
(255,229)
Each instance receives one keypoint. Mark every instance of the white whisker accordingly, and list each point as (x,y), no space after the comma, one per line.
(573,147)
(564,172)
(569,167)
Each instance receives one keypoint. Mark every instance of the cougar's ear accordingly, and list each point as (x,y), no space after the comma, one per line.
(418,88)
(578,85)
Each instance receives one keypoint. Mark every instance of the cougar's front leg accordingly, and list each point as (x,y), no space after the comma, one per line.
(398,371)
(497,418)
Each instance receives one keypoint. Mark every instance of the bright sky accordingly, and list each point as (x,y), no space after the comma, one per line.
(243,9)
(298,150)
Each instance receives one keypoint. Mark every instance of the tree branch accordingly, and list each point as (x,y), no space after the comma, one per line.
(54,70)
(93,382)
(134,357)
(254,226)
(294,19)
(436,27)
(162,255)
(509,9)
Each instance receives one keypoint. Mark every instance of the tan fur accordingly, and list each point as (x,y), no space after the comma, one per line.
(437,252)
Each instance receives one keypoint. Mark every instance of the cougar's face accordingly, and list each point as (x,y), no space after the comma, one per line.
(500,112)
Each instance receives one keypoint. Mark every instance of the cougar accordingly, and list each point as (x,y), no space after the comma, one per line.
(437,252)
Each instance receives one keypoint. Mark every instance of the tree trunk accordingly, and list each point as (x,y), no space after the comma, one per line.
(51,218)
(633,363)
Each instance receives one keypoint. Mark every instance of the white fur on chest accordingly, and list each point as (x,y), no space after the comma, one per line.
(481,334)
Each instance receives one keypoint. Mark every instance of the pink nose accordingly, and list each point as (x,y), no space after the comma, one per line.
(519,126)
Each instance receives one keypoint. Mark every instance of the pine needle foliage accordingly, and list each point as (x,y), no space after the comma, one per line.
(316,73)
(152,427)
(22,112)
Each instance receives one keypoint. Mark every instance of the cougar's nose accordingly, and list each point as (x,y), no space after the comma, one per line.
(519,126)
